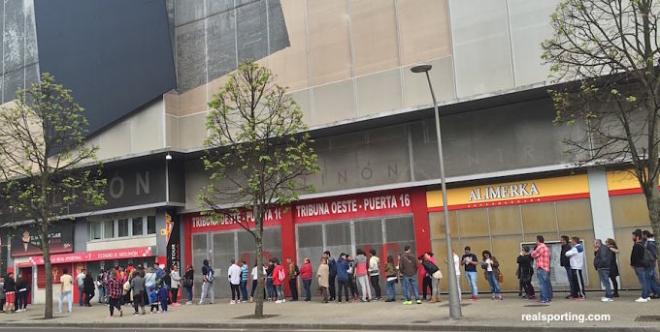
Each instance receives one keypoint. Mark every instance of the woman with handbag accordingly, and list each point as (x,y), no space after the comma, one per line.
(428,262)
(492,273)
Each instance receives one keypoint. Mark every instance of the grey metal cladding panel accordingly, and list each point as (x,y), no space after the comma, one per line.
(14,34)
(187,11)
(425,151)
(252,31)
(221,44)
(279,37)
(190,55)
(31,55)
(219,6)
(19,79)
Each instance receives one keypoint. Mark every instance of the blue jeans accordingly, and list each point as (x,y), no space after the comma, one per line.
(307,284)
(68,297)
(544,284)
(270,289)
(642,276)
(81,295)
(604,275)
(410,282)
(654,288)
(492,281)
(244,292)
(390,289)
(471,277)
(189,290)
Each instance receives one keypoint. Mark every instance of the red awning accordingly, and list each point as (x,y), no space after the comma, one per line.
(98,255)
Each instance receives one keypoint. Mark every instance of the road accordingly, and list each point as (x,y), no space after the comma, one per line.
(101,329)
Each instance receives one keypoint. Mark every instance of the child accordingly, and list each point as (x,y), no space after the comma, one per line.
(153,299)
(163,296)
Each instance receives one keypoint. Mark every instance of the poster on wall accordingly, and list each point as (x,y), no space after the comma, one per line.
(26,240)
(172,239)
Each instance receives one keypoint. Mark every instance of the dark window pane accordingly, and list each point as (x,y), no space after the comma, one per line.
(137,226)
(151,225)
(109,229)
(123,227)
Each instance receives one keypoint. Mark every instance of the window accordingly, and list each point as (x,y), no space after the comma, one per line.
(137,226)
(151,225)
(123,227)
(95,230)
(108,229)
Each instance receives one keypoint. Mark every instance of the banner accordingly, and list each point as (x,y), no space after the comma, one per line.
(356,206)
(27,242)
(173,239)
(623,182)
(205,223)
(98,255)
(512,193)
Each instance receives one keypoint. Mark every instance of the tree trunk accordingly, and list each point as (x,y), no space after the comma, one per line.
(653,203)
(259,295)
(48,309)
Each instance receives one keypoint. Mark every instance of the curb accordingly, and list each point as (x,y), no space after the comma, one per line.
(335,327)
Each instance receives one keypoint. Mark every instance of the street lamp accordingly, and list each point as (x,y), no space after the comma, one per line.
(454,302)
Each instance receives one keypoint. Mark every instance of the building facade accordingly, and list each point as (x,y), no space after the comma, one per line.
(347,64)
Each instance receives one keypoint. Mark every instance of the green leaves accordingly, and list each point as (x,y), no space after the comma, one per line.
(259,149)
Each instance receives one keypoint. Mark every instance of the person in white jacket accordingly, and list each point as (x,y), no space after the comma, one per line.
(176,280)
(576,255)
(234,276)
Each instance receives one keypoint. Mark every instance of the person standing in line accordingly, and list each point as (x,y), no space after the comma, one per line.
(427,282)
(255,281)
(208,276)
(234,277)
(293,274)
(565,262)
(270,288)
(80,282)
(332,267)
(176,282)
(115,294)
(649,243)
(470,262)
(188,282)
(163,298)
(306,274)
(362,276)
(525,272)
(150,287)
(66,290)
(614,267)
(392,277)
(640,260)
(89,289)
(541,255)
(245,275)
(137,286)
(350,272)
(2,294)
(167,281)
(100,285)
(279,277)
(576,256)
(408,267)
(491,272)
(323,275)
(433,271)
(21,294)
(374,273)
(457,269)
(9,288)
(602,264)
(343,278)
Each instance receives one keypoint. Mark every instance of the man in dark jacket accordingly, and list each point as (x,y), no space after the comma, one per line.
(565,262)
(640,261)
(342,277)
(602,263)
(332,266)
(525,272)
(649,244)
(408,267)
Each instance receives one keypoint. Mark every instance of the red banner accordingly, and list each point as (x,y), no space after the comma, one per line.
(355,206)
(203,224)
(99,255)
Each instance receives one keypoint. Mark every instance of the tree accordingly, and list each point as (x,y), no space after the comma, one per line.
(258,154)
(608,51)
(45,166)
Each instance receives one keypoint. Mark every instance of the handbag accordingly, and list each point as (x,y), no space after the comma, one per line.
(437,274)
(500,276)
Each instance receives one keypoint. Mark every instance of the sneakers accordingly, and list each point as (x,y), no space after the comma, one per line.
(232,302)
(642,300)
(473,298)
(407,302)
(189,303)
(606,299)
(419,301)
(279,301)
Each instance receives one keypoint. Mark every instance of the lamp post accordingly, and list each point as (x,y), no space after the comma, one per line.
(454,302)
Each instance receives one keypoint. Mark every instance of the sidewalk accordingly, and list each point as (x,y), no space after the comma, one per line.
(484,314)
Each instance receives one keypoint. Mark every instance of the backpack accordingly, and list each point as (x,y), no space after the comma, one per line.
(281,275)
(211,275)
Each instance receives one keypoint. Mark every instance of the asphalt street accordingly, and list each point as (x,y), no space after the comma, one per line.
(101,329)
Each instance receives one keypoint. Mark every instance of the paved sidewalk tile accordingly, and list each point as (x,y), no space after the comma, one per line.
(512,311)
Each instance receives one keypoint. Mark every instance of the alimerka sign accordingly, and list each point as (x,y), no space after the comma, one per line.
(512,193)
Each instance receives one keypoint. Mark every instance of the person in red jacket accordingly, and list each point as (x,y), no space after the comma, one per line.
(306,274)
(279,276)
